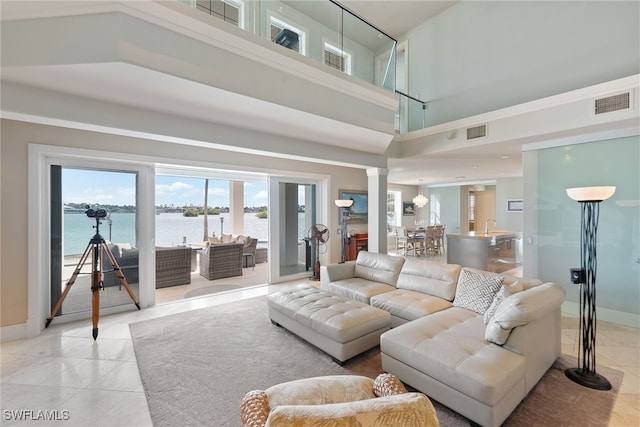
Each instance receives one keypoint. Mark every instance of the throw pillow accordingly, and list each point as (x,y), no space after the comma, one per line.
(475,291)
(504,292)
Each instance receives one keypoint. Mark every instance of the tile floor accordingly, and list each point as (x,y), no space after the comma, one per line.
(83,382)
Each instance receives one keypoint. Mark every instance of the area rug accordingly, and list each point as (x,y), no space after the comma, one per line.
(206,290)
(196,367)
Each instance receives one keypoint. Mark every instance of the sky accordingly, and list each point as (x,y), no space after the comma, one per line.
(118,188)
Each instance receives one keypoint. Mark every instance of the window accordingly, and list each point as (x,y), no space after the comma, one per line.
(277,25)
(337,58)
(393,210)
(227,10)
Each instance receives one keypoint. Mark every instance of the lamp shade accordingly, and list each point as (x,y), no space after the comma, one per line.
(420,201)
(342,203)
(590,194)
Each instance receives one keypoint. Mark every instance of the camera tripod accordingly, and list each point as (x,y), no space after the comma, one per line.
(97,247)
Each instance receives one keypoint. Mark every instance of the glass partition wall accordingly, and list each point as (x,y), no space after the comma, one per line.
(318,29)
(552,221)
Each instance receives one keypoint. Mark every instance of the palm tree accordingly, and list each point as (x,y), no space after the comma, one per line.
(206,210)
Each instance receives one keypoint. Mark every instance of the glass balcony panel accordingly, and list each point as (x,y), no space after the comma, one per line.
(411,113)
(369,50)
(318,29)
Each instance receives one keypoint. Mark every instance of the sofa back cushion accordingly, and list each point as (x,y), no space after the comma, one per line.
(377,267)
(432,278)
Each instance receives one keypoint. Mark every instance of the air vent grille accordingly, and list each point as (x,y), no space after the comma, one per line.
(476,132)
(613,103)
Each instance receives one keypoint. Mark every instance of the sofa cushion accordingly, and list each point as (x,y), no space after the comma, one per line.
(409,305)
(429,277)
(475,291)
(522,308)
(407,409)
(357,289)
(321,390)
(504,292)
(449,346)
(377,267)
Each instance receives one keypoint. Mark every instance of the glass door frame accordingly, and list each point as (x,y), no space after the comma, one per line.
(41,157)
(322,216)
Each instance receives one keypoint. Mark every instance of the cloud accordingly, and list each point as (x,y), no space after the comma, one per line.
(261,195)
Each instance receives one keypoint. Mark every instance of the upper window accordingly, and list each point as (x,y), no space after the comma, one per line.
(287,35)
(337,58)
(227,10)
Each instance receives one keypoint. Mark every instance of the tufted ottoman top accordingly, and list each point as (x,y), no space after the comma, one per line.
(333,316)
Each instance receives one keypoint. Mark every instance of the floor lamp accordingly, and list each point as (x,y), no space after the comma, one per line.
(344,206)
(589,198)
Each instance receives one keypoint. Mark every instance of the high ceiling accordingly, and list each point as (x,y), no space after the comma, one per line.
(396,17)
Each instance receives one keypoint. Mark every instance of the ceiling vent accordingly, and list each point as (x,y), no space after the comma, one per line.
(477,132)
(613,103)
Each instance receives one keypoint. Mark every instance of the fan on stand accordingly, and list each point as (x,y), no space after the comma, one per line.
(318,235)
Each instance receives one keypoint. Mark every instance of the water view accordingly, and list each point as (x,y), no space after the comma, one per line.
(171,229)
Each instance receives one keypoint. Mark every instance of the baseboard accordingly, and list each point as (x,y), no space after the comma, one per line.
(13,332)
(605,314)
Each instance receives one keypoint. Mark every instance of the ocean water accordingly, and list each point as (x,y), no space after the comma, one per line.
(171,229)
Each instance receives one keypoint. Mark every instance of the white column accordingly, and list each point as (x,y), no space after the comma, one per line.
(377,186)
(236,207)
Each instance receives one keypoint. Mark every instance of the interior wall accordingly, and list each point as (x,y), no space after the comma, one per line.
(486,55)
(14,233)
(552,221)
(508,189)
(444,207)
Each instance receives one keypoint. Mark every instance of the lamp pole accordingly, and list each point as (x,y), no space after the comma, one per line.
(221,224)
(344,206)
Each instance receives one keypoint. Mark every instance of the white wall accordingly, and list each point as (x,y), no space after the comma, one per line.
(480,56)
(508,189)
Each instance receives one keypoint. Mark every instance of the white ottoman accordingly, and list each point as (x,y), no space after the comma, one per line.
(340,327)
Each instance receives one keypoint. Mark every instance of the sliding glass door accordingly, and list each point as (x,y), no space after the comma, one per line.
(90,207)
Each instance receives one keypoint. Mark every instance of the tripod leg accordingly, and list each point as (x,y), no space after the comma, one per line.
(96,286)
(118,271)
(70,283)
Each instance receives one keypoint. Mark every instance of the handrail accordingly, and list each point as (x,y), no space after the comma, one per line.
(363,20)
(424,103)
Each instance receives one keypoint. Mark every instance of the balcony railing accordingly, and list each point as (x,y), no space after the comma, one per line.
(411,113)
(321,30)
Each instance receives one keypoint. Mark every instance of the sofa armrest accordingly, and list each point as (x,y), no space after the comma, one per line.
(388,385)
(334,272)
(254,409)
(523,308)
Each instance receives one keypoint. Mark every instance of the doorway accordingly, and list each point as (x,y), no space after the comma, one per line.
(293,212)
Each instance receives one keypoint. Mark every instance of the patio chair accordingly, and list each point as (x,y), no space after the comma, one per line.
(221,260)
(173,266)
(249,253)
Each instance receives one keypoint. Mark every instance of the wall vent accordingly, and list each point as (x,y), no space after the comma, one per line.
(476,132)
(613,103)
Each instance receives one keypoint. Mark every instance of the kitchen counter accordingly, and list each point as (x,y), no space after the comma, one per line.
(496,251)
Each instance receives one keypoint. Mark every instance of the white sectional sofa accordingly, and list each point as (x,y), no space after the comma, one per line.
(475,341)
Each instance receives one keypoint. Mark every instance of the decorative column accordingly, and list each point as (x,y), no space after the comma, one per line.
(377,189)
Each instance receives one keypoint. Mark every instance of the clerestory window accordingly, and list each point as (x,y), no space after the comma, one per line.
(227,10)
(337,58)
(287,35)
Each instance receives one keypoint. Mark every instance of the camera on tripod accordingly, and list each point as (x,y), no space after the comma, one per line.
(96,213)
